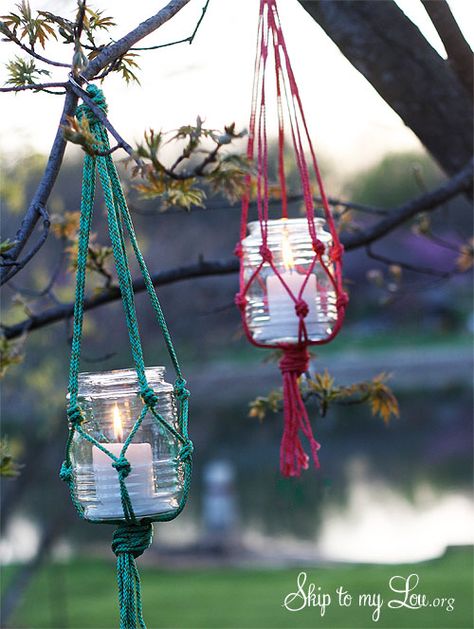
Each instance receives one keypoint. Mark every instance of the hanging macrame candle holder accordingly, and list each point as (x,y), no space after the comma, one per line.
(291,294)
(290,283)
(111,405)
(128,454)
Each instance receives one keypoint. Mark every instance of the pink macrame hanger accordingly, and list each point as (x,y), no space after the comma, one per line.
(295,360)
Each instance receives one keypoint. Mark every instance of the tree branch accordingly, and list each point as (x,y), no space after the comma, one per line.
(415,81)
(43,190)
(32,86)
(52,315)
(189,39)
(458,50)
(424,203)
(461,182)
(56,155)
(18,265)
(7,32)
(119,48)
(406,265)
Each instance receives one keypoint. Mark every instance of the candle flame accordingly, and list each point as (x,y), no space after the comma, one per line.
(117,420)
(286,252)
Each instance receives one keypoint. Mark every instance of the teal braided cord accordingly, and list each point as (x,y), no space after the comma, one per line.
(123,274)
(125,214)
(129,542)
(87,202)
(74,412)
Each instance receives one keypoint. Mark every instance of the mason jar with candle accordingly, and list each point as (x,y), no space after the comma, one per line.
(111,405)
(270,310)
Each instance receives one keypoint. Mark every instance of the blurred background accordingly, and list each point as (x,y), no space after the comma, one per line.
(385,495)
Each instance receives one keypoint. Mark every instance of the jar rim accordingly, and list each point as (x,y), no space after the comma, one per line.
(113,377)
(289,222)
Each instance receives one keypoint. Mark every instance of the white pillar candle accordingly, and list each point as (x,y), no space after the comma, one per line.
(283,321)
(139,482)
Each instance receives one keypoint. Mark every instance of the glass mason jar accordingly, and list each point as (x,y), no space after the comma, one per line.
(111,406)
(270,310)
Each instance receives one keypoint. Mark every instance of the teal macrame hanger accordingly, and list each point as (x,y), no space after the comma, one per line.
(133,535)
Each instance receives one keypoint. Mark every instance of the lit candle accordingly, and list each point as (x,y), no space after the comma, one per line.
(283,320)
(139,482)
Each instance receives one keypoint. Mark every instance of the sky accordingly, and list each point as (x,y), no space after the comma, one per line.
(351,125)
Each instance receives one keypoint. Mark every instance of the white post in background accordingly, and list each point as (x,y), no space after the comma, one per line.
(220,512)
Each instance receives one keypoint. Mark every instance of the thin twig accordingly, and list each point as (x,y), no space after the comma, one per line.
(6,31)
(461,182)
(294,198)
(406,265)
(47,290)
(32,86)
(24,261)
(189,39)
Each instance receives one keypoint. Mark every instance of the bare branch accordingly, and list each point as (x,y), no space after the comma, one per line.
(6,31)
(406,265)
(384,45)
(291,198)
(189,39)
(32,86)
(24,261)
(462,182)
(52,315)
(459,52)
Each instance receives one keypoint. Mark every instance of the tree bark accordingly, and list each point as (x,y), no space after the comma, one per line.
(393,55)
(458,50)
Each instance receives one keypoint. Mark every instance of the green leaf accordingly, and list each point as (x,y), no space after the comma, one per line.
(9,468)
(10,354)
(6,245)
(24,72)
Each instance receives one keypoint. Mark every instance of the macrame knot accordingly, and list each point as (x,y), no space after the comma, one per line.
(65,473)
(294,360)
(239,250)
(265,252)
(342,300)
(186,450)
(132,539)
(301,308)
(97,96)
(122,466)
(149,397)
(336,252)
(75,415)
(180,390)
(240,300)
(319,247)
